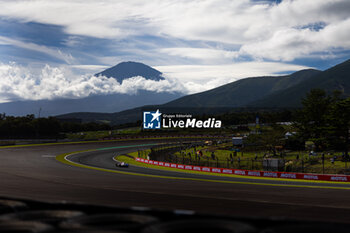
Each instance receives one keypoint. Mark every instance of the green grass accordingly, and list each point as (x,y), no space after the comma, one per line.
(311,165)
(131,161)
(133,130)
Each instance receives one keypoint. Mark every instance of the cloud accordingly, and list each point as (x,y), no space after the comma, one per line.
(260,29)
(87,18)
(53,52)
(236,70)
(93,68)
(213,36)
(26,83)
(198,78)
(23,83)
(205,54)
(288,44)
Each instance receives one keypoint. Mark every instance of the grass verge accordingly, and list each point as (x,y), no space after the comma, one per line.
(123,158)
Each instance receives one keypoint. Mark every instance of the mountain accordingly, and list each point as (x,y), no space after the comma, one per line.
(130,69)
(98,103)
(243,95)
(242,92)
(334,78)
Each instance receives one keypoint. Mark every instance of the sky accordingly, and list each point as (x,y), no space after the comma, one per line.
(51,49)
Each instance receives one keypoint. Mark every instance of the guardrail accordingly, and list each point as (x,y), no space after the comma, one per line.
(267,174)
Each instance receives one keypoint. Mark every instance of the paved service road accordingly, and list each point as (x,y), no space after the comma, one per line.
(33,172)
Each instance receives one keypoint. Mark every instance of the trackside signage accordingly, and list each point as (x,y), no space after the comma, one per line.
(157,120)
(267,174)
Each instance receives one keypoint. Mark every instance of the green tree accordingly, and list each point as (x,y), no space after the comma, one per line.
(269,139)
(312,119)
(340,124)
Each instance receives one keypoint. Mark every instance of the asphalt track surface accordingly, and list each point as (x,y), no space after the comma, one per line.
(34,173)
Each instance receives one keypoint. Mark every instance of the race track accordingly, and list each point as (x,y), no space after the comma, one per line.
(33,172)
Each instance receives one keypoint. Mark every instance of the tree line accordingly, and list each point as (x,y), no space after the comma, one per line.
(324,119)
(31,127)
(323,123)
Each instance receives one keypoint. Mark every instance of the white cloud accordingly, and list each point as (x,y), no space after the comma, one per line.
(198,78)
(205,54)
(90,68)
(53,52)
(261,29)
(26,83)
(22,83)
(88,18)
(186,31)
(288,44)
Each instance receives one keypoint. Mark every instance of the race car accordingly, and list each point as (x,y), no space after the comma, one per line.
(121,164)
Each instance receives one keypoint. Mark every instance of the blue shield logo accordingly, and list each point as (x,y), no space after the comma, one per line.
(151,120)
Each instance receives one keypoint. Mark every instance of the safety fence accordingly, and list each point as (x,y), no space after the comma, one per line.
(187,153)
(268,174)
(173,153)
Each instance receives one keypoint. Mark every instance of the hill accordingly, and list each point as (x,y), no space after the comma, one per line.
(334,78)
(97,103)
(244,91)
(250,94)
